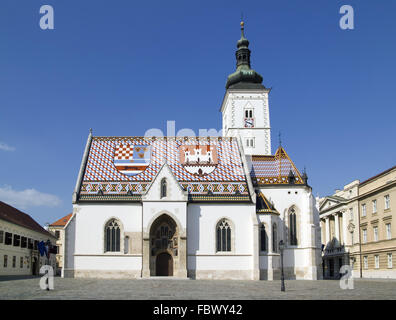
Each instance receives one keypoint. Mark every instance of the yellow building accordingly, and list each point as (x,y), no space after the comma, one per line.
(19,238)
(57,229)
(357,228)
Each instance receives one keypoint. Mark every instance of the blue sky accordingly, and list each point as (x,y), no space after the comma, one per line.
(122,67)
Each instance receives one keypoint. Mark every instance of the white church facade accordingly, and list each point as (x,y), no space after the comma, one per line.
(195,207)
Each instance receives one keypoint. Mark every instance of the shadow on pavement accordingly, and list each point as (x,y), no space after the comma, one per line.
(17,277)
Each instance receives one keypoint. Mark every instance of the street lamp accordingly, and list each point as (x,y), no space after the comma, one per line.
(281,248)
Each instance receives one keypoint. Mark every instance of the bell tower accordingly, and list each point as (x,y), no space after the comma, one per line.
(245,108)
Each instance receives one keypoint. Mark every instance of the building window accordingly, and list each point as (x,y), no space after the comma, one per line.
(223,236)
(248,113)
(8,238)
(263,238)
(365,262)
(390,264)
(363,210)
(388,231)
(375,229)
(112,236)
(5,261)
(21,262)
(17,240)
(374,206)
(57,234)
(364,235)
(293,227)
(23,242)
(274,238)
(1,236)
(14,261)
(250,142)
(351,213)
(376,261)
(30,243)
(387,201)
(163,188)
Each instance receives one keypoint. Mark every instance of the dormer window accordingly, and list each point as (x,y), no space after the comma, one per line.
(163,188)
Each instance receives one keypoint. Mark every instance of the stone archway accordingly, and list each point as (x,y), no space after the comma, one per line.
(164,244)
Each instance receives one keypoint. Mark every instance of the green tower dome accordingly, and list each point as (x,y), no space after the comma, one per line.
(244,77)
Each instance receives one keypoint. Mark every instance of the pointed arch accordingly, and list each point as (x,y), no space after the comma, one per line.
(274,237)
(164,188)
(292,226)
(113,235)
(224,235)
(263,237)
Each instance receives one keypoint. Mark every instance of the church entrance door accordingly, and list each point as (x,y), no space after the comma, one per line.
(164,264)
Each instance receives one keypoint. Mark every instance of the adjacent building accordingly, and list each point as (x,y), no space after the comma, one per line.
(57,229)
(357,227)
(19,237)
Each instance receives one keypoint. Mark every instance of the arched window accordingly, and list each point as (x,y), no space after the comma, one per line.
(163,188)
(263,238)
(292,227)
(224,236)
(112,233)
(274,238)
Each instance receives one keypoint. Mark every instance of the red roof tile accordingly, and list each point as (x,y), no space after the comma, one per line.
(62,221)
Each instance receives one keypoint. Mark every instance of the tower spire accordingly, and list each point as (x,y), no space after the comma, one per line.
(244,77)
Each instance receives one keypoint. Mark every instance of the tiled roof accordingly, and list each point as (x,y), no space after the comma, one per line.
(62,221)
(17,217)
(263,205)
(106,175)
(274,169)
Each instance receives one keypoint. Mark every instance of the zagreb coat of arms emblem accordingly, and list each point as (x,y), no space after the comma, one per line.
(199,160)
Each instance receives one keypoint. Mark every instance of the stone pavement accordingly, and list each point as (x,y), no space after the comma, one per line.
(177,289)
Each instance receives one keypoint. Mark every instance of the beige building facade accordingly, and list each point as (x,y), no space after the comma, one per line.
(19,238)
(357,228)
(58,230)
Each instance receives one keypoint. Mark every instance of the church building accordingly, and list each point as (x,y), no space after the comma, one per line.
(196,207)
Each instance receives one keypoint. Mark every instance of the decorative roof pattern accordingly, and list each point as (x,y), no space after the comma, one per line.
(102,178)
(274,169)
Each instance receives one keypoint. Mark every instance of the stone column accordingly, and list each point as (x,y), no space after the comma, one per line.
(182,270)
(146,257)
(337,228)
(327,230)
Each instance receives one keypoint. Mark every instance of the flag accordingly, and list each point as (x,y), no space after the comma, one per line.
(41,248)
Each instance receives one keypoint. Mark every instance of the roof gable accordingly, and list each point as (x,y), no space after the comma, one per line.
(174,192)
(274,169)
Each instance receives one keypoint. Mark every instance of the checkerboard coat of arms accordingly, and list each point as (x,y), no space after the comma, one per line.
(132,159)
(199,160)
